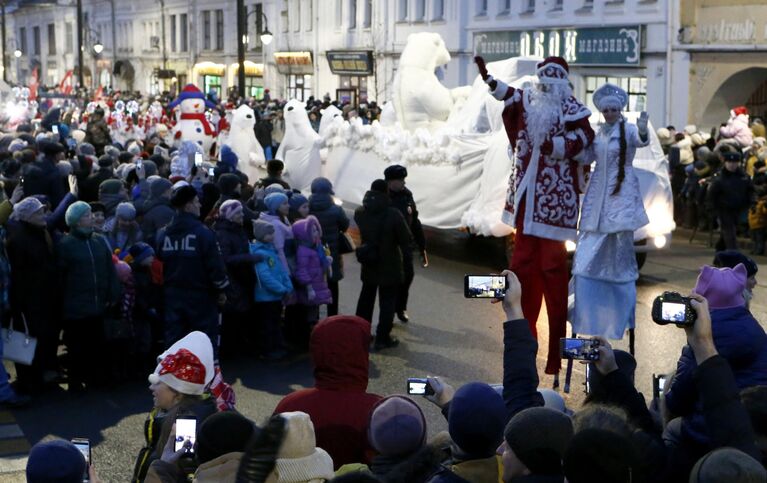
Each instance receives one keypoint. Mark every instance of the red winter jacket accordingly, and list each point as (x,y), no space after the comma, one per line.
(338,404)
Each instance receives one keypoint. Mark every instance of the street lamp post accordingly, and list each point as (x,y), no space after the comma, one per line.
(17,53)
(80,47)
(5,58)
(242,39)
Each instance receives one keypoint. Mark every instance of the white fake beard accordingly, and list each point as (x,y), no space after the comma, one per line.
(543,112)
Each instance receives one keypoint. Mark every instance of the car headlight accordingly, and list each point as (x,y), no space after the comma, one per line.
(569,246)
(659,241)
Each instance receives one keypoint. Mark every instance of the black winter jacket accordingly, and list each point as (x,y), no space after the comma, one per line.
(382,225)
(191,256)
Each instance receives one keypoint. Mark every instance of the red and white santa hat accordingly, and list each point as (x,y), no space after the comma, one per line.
(188,366)
(553,70)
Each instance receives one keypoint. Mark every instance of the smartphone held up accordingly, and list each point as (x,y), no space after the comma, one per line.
(579,349)
(484,286)
(417,386)
(84,446)
(186,430)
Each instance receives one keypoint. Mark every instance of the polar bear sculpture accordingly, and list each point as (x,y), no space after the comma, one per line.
(242,140)
(420,100)
(300,148)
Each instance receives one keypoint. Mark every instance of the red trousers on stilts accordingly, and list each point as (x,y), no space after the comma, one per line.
(541,266)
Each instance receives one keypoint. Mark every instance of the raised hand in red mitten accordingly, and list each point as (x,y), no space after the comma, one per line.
(483,72)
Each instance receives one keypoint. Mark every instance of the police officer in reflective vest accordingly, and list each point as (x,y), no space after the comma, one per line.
(193,271)
(402,199)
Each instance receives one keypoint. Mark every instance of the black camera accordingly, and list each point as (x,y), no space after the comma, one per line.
(672,308)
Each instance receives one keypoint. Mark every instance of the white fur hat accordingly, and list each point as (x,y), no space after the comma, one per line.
(188,366)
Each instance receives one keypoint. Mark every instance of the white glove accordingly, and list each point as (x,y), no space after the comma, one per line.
(443,392)
(642,124)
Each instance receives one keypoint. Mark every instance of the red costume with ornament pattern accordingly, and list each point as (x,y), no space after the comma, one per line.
(547,128)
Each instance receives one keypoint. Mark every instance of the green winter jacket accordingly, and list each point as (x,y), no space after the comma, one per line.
(88,278)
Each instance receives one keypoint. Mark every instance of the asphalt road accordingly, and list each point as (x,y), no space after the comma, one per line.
(448,336)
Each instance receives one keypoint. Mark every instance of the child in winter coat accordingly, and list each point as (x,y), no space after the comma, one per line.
(757,217)
(123,231)
(277,211)
(119,323)
(738,338)
(273,286)
(312,266)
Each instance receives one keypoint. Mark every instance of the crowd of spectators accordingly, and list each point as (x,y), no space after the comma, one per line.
(135,262)
(719,179)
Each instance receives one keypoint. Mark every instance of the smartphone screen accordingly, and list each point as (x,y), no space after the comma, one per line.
(211,172)
(84,446)
(417,386)
(198,159)
(55,129)
(673,312)
(186,430)
(579,349)
(484,286)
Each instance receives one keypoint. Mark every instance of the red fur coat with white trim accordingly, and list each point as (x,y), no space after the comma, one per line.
(549,183)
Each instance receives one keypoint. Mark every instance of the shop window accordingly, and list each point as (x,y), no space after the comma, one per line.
(636,87)
(254,87)
(299,87)
(358,84)
(212,82)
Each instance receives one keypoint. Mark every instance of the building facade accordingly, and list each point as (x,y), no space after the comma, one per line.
(722,44)
(674,59)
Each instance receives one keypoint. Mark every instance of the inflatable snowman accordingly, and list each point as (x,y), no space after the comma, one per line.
(191,124)
(300,148)
(242,140)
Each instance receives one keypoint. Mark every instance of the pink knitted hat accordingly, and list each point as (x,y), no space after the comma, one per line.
(722,287)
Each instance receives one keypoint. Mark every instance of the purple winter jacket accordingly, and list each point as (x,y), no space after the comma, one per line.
(310,268)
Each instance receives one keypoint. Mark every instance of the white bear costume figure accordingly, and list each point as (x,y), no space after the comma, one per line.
(242,140)
(300,148)
(192,125)
(329,115)
(420,100)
